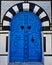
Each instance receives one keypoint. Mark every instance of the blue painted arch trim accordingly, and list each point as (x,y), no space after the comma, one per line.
(40,12)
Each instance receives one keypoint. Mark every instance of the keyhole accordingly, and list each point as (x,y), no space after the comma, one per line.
(32,39)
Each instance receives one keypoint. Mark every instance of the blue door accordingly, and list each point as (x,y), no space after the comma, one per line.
(25,38)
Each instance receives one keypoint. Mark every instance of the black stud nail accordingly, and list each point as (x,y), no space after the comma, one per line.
(29,27)
(22,27)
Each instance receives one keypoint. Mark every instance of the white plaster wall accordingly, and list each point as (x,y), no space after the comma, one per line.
(48,60)
(48,43)
(3,60)
(3,43)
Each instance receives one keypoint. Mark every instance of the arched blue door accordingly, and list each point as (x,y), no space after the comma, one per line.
(25,38)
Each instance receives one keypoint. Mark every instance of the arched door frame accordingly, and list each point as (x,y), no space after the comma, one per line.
(40,12)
